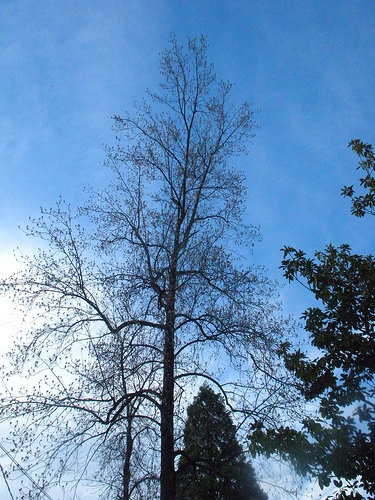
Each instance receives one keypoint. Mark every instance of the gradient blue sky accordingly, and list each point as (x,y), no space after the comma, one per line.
(67,66)
(308,66)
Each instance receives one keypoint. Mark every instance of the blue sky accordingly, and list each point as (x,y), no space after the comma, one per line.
(308,66)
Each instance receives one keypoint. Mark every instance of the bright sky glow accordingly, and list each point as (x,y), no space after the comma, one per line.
(308,66)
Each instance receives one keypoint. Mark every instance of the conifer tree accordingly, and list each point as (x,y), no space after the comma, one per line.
(213,465)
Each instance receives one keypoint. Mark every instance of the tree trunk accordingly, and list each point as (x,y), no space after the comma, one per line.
(167,474)
(128,454)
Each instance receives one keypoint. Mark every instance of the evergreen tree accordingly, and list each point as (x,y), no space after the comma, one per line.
(212,465)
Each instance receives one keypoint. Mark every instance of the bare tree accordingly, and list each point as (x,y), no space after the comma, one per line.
(89,380)
(167,298)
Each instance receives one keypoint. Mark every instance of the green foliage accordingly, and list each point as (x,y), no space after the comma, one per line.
(342,329)
(343,376)
(212,464)
(365,203)
(339,444)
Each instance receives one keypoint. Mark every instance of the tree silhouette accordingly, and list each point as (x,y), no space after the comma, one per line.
(125,317)
(338,445)
(212,465)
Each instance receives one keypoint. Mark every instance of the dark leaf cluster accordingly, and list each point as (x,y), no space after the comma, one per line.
(212,464)
(339,443)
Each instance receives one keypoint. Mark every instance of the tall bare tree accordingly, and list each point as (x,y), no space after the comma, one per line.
(168,296)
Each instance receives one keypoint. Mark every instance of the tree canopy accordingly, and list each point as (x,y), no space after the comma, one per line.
(339,443)
(213,465)
(124,317)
